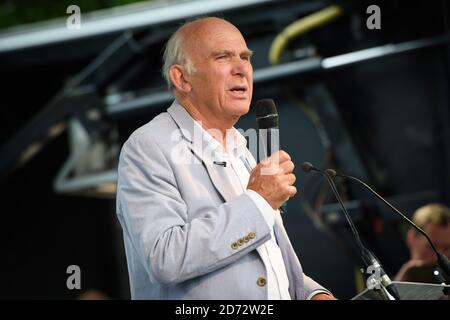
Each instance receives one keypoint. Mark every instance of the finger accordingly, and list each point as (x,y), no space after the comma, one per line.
(287,167)
(279,157)
(292,190)
(269,168)
(265,162)
(290,178)
(286,179)
(283,156)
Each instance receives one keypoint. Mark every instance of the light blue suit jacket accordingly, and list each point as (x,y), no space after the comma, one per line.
(181,220)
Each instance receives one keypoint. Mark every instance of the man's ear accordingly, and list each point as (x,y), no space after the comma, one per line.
(178,79)
(410,238)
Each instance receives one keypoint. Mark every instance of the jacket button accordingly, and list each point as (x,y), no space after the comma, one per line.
(261,281)
(252,235)
(234,246)
(240,241)
(246,239)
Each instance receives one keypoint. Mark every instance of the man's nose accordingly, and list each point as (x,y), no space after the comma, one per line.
(241,68)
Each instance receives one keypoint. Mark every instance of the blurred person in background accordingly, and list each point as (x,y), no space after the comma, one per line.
(434,219)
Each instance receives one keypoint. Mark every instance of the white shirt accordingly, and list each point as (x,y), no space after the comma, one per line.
(277,279)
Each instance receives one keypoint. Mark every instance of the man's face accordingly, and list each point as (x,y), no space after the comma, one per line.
(439,235)
(222,85)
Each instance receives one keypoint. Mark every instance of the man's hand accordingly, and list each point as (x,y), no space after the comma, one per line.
(273,179)
(323,296)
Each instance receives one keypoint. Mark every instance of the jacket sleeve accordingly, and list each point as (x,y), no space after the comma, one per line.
(172,247)
(312,287)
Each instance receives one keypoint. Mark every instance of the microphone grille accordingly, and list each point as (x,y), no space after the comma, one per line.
(306,166)
(266,114)
(331,172)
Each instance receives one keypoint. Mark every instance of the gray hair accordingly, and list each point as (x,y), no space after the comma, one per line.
(174,53)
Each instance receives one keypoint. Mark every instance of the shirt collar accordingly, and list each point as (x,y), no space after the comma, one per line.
(235,140)
(236,143)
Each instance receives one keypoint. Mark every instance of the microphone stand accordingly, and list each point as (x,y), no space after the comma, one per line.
(388,291)
(442,260)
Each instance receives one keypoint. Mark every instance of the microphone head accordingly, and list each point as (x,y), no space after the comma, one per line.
(307,166)
(266,114)
(331,172)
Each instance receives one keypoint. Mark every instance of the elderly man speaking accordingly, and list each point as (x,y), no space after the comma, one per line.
(200,217)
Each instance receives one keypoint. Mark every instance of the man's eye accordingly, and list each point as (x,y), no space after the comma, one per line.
(221,57)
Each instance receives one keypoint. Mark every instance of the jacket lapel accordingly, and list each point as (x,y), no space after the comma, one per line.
(217,172)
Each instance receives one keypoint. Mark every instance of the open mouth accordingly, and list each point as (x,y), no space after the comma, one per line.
(239,90)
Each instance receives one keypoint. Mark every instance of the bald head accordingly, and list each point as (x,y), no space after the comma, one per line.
(186,40)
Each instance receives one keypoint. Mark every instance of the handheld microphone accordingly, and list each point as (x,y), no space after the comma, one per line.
(442,260)
(367,256)
(267,121)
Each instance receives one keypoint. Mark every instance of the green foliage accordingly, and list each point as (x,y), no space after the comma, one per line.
(13,13)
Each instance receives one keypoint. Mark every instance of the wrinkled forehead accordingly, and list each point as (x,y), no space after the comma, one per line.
(208,25)
(204,36)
